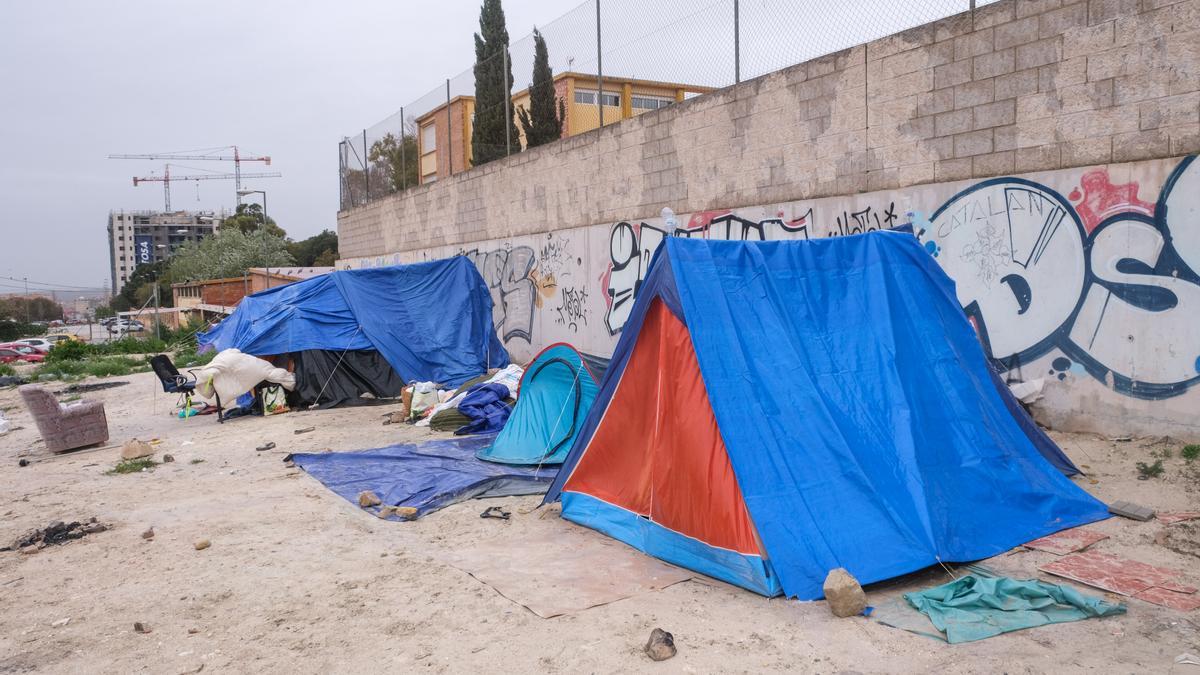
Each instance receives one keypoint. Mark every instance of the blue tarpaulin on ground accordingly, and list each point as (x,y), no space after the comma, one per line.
(432,321)
(426,476)
(857,409)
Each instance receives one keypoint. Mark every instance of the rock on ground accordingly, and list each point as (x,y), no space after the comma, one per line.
(661,645)
(844,594)
(134,449)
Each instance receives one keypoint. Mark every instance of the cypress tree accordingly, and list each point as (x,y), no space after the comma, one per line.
(543,120)
(493,84)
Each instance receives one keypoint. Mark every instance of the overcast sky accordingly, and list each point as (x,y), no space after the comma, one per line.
(82,79)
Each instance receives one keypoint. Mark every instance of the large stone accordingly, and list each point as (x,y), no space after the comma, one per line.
(844,594)
(133,449)
(367,499)
(661,645)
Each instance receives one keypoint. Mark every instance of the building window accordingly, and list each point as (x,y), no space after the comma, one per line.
(650,102)
(428,139)
(588,97)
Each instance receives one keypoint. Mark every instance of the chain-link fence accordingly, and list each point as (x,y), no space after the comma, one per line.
(613,59)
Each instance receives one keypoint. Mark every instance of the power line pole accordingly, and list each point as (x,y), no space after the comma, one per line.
(28,304)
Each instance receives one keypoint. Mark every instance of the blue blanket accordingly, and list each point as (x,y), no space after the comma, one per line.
(425,476)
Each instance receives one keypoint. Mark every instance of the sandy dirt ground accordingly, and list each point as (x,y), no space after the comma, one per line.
(299,580)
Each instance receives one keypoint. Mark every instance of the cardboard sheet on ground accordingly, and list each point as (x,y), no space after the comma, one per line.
(1067,541)
(424,476)
(1156,585)
(564,569)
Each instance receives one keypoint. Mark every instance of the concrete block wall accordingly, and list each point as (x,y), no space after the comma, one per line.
(1065,128)
(1014,87)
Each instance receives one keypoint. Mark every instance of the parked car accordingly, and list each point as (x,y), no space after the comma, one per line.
(59,337)
(126,326)
(108,321)
(41,344)
(10,353)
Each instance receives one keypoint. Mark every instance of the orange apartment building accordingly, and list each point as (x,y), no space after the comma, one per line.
(444,133)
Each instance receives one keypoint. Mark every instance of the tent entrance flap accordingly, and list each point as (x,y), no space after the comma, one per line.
(657,456)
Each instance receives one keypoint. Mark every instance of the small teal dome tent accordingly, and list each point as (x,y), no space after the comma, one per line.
(553,398)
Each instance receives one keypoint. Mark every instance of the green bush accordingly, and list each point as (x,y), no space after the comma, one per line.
(70,350)
(188,358)
(133,345)
(6,369)
(1146,471)
(1190,452)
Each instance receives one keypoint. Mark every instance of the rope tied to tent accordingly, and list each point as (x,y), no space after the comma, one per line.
(336,366)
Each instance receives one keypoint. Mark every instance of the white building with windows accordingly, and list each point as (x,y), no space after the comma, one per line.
(140,237)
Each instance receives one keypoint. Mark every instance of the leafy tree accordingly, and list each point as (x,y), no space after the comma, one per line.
(319,250)
(35,308)
(544,119)
(105,311)
(493,86)
(249,217)
(138,289)
(229,253)
(394,162)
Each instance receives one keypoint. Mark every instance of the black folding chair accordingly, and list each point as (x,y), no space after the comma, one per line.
(174,382)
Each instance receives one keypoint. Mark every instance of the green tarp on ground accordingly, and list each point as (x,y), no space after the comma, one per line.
(975,607)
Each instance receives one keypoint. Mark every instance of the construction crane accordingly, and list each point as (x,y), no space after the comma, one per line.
(167,178)
(237,158)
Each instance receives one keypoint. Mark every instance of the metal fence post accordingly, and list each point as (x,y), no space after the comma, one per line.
(403,162)
(341,175)
(449,131)
(599,69)
(366,167)
(737,44)
(507,102)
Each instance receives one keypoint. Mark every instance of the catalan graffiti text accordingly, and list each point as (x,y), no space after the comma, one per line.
(1112,283)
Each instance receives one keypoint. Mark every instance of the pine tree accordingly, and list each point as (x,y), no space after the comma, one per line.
(493,85)
(544,119)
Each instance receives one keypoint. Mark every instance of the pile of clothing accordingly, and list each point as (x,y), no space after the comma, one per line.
(480,405)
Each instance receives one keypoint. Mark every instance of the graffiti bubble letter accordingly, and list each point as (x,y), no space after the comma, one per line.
(1015,250)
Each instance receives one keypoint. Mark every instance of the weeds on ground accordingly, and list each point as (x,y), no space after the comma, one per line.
(6,369)
(106,366)
(1165,453)
(1146,471)
(1190,452)
(132,465)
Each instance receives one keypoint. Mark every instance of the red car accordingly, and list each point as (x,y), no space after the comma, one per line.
(14,351)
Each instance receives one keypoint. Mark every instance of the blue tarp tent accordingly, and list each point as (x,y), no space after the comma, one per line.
(775,410)
(432,321)
(554,397)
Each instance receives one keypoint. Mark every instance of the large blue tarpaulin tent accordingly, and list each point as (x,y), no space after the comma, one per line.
(431,321)
(775,410)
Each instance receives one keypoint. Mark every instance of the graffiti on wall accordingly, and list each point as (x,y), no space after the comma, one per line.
(572,307)
(1104,277)
(630,248)
(516,288)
